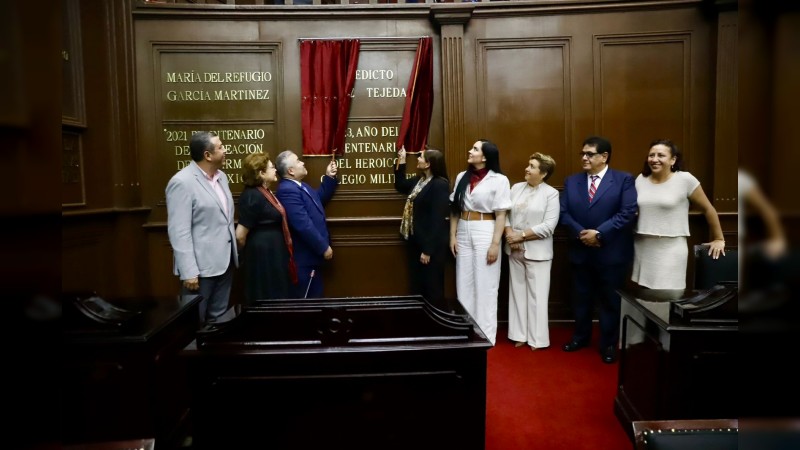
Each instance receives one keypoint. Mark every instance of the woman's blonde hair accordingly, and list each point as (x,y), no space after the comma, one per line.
(252,164)
(546,164)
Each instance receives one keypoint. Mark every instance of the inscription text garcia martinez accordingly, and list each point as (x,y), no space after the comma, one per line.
(236,94)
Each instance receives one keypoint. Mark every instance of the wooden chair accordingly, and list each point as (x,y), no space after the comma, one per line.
(709,271)
(718,434)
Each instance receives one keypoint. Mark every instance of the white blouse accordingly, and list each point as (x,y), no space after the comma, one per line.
(492,193)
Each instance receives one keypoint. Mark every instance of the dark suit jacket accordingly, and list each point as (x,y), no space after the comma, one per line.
(305,212)
(431,210)
(612,212)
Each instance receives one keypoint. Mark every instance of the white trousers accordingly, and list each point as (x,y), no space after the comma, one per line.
(477,282)
(528,294)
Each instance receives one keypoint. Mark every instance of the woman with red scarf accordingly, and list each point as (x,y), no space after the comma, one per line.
(263,233)
(479,202)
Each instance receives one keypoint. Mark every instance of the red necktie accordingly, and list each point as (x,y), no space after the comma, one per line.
(593,187)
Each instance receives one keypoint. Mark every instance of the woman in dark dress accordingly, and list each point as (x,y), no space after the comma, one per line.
(263,233)
(424,223)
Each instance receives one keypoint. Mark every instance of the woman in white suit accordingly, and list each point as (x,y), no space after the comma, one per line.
(529,243)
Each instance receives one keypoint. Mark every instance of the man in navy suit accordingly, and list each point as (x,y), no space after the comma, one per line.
(305,212)
(598,208)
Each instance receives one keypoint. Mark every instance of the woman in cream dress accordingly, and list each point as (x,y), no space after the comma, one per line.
(664,196)
(529,245)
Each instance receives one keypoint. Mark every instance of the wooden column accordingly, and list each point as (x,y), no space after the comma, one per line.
(125,149)
(726,148)
(452,33)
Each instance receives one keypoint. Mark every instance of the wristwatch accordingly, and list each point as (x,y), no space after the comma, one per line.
(597,235)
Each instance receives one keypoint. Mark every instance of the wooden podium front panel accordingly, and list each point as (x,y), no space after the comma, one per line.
(370,402)
(390,386)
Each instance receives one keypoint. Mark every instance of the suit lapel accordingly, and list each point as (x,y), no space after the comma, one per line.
(605,185)
(307,189)
(227,191)
(201,178)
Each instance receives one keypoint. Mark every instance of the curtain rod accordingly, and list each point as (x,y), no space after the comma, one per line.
(360,37)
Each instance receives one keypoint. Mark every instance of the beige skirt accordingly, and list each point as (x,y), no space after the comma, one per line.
(660,262)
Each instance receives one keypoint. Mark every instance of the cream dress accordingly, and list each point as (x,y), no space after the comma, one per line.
(660,248)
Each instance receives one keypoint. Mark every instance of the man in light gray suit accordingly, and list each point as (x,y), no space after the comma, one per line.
(200,226)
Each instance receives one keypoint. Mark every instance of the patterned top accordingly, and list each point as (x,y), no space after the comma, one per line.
(407,224)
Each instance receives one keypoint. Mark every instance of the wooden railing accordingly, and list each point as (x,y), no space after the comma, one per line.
(303,2)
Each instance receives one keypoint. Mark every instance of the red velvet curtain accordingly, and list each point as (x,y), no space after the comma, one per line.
(419,100)
(327,77)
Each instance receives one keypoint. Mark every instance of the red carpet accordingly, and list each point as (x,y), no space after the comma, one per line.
(550,399)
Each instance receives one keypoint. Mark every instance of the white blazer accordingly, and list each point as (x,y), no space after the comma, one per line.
(540,213)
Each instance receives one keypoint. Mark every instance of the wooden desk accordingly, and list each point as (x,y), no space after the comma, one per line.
(127,382)
(350,373)
(671,368)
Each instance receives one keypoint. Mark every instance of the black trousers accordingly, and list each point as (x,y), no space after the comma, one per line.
(596,284)
(427,279)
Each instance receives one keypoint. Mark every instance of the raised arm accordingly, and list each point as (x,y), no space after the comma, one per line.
(328,187)
(401,183)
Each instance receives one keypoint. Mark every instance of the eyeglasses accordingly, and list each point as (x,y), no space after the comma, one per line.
(587,154)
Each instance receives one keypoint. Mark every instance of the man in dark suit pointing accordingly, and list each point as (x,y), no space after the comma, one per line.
(305,212)
(598,208)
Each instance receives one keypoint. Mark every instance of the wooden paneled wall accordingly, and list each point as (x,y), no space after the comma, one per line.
(531,76)
(30,137)
(30,253)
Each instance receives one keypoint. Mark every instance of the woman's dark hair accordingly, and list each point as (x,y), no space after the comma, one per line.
(436,159)
(673,149)
(492,155)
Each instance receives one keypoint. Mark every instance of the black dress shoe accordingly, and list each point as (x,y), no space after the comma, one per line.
(609,355)
(571,346)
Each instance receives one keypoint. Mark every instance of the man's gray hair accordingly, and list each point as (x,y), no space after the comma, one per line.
(282,163)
